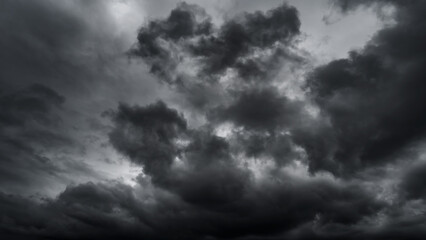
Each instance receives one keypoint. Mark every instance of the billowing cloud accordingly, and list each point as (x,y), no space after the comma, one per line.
(193,55)
(259,109)
(147,136)
(374,99)
(206,129)
(113,210)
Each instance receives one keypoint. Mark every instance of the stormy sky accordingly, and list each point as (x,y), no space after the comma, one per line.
(243,119)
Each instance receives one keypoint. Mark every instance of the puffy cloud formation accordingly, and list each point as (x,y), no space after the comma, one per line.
(374,98)
(333,153)
(193,55)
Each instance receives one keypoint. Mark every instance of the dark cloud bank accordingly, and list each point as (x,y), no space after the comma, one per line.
(250,183)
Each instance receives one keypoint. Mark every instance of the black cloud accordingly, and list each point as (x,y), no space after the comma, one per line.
(31,126)
(374,99)
(259,109)
(254,163)
(413,182)
(211,51)
(238,37)
(147,136)
(85,211)
(150,137)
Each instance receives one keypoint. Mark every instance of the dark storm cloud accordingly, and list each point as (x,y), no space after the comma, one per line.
(33,103)
(182,23)
(86,211)
(254,45)
(147,136)
(414,182)
(42,65)
(34,43)
(238,37)
(52,51)
(69,46)
(185,21)
(81,212)
(37,42)
(371,108)
(259,109)
(155,135)
(212,178)
(260,71)
(375,98)
(30,126)
(279,146)
(252,183)
(267,119)
(221,198)
(47,55)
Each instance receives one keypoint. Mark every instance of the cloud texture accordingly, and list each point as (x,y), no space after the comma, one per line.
(242,136)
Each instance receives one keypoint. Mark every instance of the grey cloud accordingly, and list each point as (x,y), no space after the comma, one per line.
(185,21)
(259,109)
(374,98)
(31,104)
(280,172)
(150,135)
(29,117)
(48,74)
(280,147)
(237,37)
(196,59)
(216,189)
(147,136)
(85,211)
(413,182)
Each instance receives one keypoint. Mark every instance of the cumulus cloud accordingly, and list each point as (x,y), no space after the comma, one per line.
(341,159)
(269,209)
(374,98)
(252,46)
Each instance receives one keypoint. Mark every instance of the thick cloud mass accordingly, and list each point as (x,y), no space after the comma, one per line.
(30,128)
(259,109)
(221,48)
(247,138)
(146,135)
(375,98)
(238,37)
(192,54)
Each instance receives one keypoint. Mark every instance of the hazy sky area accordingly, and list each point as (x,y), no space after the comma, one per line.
(213,119)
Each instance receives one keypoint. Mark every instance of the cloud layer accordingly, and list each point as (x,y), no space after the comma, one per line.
(242,137)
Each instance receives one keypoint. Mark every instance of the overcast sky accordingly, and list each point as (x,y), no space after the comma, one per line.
(244,119)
